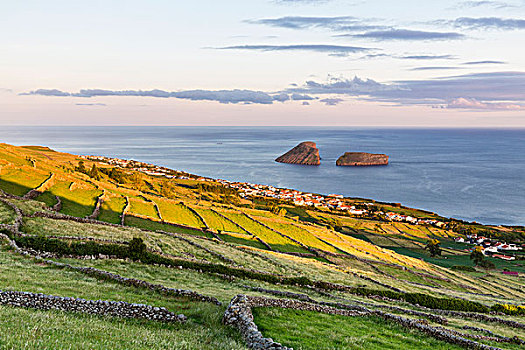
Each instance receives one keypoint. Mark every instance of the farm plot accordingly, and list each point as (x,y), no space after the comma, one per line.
(178,213)
(111,209)
(78,199)
(296,232)
(20,181)
(275,240)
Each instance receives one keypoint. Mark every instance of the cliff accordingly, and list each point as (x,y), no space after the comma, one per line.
(362,159)
(305,153)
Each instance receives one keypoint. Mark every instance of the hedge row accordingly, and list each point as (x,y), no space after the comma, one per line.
(426,300)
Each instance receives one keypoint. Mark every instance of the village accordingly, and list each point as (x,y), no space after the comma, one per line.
(491,247)
(145,168)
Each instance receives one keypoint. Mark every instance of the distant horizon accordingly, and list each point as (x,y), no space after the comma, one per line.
(517,128)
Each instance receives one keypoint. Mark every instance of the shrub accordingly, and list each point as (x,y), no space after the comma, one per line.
(463,268)
(136,249)
(487,264)
(509,309)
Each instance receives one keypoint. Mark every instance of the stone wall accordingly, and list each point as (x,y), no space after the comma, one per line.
(197,215)
(58,206)
(304,297)
(125,211)
(98,206)
(94,307)
(239,315)
(15,227)
(37,191)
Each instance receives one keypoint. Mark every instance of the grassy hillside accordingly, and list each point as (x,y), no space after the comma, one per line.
(208,240)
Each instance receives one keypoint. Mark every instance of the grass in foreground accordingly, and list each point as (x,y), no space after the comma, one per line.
(311,330)
(56,330)
(37,329)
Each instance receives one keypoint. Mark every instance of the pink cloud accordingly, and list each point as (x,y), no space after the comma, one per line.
(472,103)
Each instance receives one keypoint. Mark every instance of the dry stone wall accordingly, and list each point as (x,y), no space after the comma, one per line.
(37,191)
(94,307)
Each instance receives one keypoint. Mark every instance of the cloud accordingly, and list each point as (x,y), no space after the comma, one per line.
(484,62)
(226,96)
(344,86)
(90,104)
(411,57)
(338,50)
(428,57)
(222,96)
(331,101)
(306,103)
(493,86)
(281,97)
(339,23)
(493,90)
(485,23)
(471,103)
(140,93)
(298,22)
(406,34)
(435,68)
(484,3)
(302,97)
(47,92)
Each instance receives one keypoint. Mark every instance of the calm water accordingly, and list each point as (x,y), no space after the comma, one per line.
(469,174)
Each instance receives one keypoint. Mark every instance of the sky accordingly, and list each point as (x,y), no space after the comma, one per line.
(376,63)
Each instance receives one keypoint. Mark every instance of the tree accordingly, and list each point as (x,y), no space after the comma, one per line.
(433,247)
(81,167)
(477,256)
(93,173)
(136,248)
(487,264)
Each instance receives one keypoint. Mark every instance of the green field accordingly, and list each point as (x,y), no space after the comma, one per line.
(111,209)
(311,330)
(275,240)
(178,214)
(204,329)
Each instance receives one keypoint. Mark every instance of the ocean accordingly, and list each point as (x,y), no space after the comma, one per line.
(471,174)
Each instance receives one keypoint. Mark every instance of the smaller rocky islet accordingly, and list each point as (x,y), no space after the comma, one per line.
(306,153)
(362,159)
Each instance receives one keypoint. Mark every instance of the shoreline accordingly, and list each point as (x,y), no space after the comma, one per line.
(228,182)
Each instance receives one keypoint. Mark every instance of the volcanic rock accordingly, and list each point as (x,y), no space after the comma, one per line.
(305,153)
(362,159)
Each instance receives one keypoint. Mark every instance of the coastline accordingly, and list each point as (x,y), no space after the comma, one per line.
(418,178)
